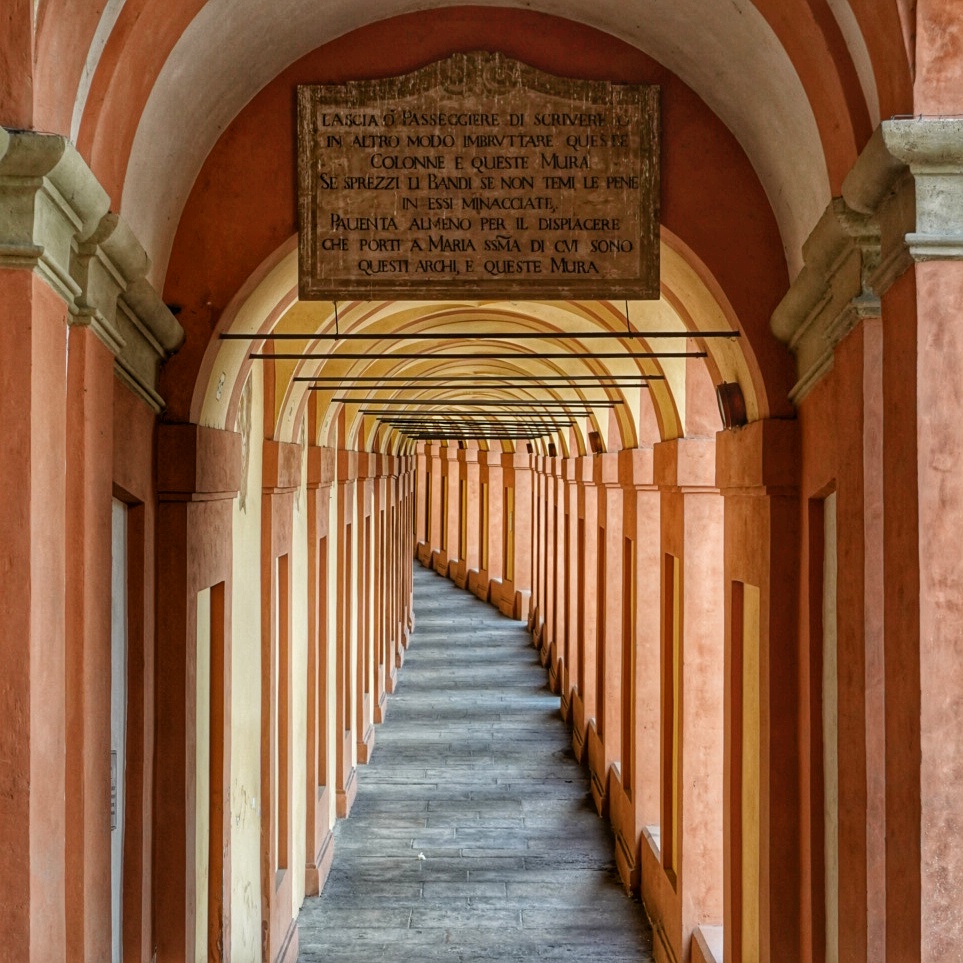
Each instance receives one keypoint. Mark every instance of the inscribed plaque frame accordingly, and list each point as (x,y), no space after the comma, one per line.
(510,157)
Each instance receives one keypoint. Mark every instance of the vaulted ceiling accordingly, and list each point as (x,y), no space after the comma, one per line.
(183,111)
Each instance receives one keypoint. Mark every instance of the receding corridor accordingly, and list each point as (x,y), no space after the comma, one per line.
(473,771)
(629,333)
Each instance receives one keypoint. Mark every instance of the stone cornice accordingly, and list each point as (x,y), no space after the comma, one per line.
(55,220)
(932,149)
(902,202)
(833,292)
(50,201)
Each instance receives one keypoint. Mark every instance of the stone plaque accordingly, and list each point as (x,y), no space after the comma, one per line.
(478,177)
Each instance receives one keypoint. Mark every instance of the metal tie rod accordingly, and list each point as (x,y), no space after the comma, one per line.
(345,385)
(484,403)
(472,335)
(524,379)
(485,356)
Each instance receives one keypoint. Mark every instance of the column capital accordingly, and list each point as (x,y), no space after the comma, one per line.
(519,460)
(637,468)
(760,459)
(584,468)
(347,465)
(932,149)
(688,464)
(196,463)
(364,465)
(838,287)
(322,466)
(605,469)
(51,202)
(55,221)
(901,203)
(281,471)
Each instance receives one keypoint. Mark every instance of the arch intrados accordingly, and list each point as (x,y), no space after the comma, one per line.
(739,77)
(691,301)
(387,365)
(356,421)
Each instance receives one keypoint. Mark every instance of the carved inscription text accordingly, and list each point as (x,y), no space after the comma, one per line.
(478,177)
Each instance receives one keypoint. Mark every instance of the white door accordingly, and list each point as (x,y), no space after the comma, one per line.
(118,719)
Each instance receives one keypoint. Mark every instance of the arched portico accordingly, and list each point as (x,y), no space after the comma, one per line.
(751,628)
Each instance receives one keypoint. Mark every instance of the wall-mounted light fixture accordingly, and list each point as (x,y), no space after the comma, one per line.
(595,443)
(732,404)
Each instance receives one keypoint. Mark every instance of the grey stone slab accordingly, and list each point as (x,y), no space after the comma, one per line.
(447,917)
(354,917)
(445,891)
(473,770)
(394,897)
(470,818)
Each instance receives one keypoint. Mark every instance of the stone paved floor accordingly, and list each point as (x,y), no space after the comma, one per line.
(473,770)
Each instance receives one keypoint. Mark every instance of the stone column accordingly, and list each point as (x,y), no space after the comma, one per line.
(281,473)
(365,641)
(604,731)
(757,471)
(559,561)
(890,249)
(634,780)
(320,697)
(435,469)
(408,494)
(523,532)
(347,632)
(451,507)
(551,564)
(544,561)
(583,656)
(90,379)
(569,658)
(933,151)
(496,523)
(422,513)
(472,475)
(687,888)
(198,478)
